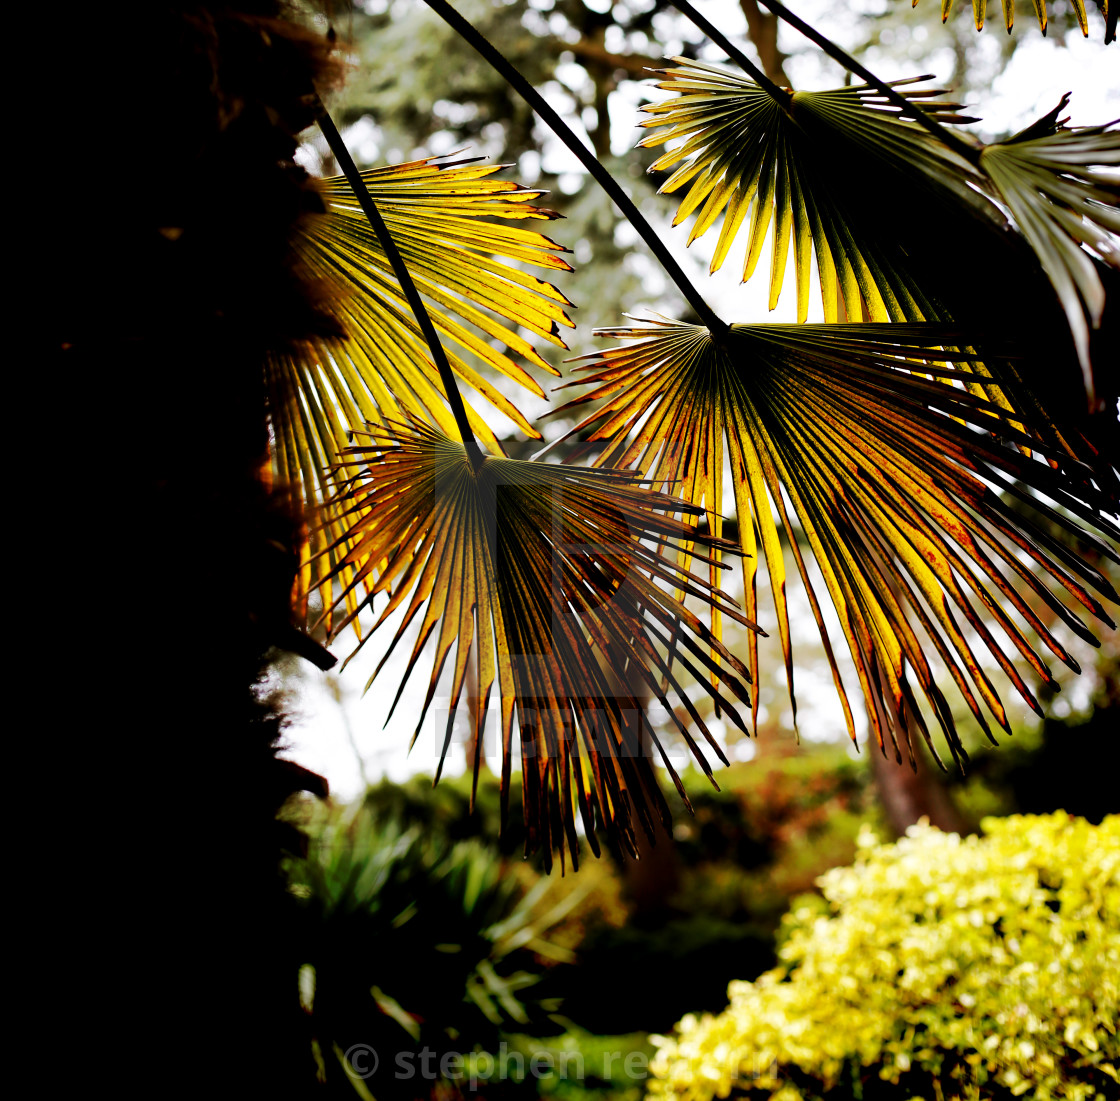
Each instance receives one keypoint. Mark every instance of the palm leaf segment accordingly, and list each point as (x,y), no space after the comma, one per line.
(979,12)
(889,481)
(737,150)
(1051,180)
(739,146)
(464,264)
(556,577)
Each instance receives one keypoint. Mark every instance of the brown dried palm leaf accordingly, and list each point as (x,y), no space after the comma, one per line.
(558,578)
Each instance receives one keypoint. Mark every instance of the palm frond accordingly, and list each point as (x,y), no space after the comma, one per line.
(1057,185)
(896,482)
(741,151)
(470,270)
(979,12)
(557,577)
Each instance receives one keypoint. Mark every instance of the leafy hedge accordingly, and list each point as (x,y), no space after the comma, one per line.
(938,967)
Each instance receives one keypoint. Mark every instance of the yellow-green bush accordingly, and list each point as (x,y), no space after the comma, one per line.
(943,967)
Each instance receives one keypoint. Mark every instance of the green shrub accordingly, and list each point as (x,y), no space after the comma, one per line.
(412,943)
(943,967)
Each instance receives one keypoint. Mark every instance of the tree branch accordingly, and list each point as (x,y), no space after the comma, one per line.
(763,31)
(637,65)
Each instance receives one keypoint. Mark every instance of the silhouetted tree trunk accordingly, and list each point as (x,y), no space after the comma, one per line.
(908,795)
(170,283)
(654,877)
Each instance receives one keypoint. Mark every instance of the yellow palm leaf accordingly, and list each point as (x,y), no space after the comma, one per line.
(785,160)
(979,12)
(738,151)
(470,269)
(856,428)
(557,576)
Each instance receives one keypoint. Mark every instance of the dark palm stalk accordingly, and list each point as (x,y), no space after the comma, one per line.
(907,107)
(782,95)
(412,295)
(564,132)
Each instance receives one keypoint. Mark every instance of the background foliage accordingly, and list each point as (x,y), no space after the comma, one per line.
(983,967)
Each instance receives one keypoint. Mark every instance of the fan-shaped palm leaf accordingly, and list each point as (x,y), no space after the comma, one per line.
(740,151)
(980,7)
(462,262)
(548,571)
(1051,180)
(889,481)
(743,149)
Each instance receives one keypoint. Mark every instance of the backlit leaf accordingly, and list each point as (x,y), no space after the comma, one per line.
(737,151)
(1062,188)
(860,441)
(885,206)
(558,577)
(979,11)
(463,262)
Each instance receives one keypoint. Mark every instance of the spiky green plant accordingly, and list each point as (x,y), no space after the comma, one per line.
(454,911)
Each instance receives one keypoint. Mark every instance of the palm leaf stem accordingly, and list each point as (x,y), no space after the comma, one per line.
(408,285)
(906,106)
(781,95)
(708,317)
